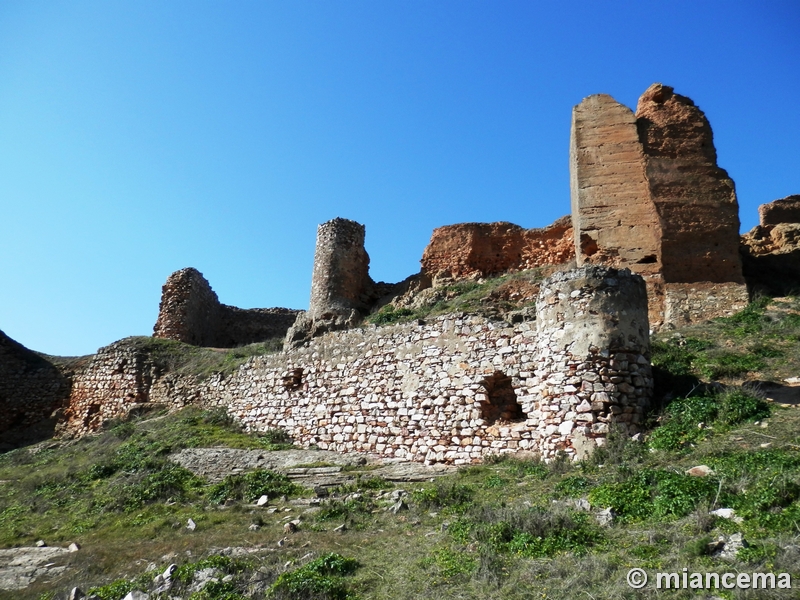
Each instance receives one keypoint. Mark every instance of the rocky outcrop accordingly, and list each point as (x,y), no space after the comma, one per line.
(647,194)
(771,250)
(191,312)
(481,249)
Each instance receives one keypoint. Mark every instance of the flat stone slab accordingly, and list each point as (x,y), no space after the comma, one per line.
(216,463)
(20,567)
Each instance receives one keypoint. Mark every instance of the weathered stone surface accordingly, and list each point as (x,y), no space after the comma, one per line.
(785,210)
(481,249)
(341,269)
(341,288)
(687,303)
(32,388)
(614,219)
(191,312)
(420,392)
(647,194)
(695,199)
(771,250)
(20,567)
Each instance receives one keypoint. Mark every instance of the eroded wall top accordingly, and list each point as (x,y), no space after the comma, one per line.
(695,199)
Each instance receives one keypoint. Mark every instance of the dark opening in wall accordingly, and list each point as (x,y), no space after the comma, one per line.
(294,380)
(93,416)
(501,400)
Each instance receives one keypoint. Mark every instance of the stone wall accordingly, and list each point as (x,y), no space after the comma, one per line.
(117,379)
(647,194)
(191,312)
(687,303)
(771,250)
(452,390)
(32,388)
(695,199)
(482,249)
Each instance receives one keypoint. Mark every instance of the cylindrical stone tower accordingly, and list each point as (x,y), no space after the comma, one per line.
(594,357)
(341,269)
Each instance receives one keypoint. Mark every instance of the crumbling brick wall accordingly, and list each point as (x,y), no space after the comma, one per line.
(481,249)
(191,312)
(647,194)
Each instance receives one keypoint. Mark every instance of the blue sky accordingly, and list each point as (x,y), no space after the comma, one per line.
(137,138)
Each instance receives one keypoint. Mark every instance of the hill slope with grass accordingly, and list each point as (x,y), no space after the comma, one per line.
(511,528)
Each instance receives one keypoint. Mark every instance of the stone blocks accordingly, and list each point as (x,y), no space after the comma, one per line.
(190,312)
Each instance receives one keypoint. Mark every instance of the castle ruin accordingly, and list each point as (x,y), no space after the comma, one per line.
(653,230)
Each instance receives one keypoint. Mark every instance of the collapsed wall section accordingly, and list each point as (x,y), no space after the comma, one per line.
(482,249)
(342,291)
(771,250)
(191,312)
(695,199)
(613,217)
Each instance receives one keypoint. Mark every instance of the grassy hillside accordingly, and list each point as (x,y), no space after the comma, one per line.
(512,528)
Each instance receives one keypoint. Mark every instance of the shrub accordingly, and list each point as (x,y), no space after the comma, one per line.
(751,320)
(685,419)
(728,364)
(276,439)
(347,509)
(682,422)
(321,579)
(654,493)
(226,564)
(531,532)
(573,486)
(113,591)
(443,494)
(389,314)
(251,486)
(451,563)
(737,406)
(618,449)
(171,481)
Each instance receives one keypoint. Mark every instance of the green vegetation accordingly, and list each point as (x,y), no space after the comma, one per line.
(200,362)
(323,579)
(688,420)
(251,486)
(760,342)
(511,528)
(463,296)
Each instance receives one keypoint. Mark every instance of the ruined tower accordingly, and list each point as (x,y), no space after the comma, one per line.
(341,287)
(341,270)
(647,194)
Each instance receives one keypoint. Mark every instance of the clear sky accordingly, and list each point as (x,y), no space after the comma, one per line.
(140,137)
